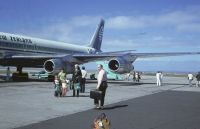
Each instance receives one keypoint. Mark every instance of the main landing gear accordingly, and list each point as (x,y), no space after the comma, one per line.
(19,76)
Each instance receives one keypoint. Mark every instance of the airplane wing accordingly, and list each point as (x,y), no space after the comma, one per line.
(122,62)
(97,57)
(56,61)
(130,55)
(148,55)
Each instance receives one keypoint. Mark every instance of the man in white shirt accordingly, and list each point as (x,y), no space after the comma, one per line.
(84,75)
(158,78)
(190,78)
(101,85)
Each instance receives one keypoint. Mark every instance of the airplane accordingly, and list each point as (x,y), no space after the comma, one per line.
(23,51)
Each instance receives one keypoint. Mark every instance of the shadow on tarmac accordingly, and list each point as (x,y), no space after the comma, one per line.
(114,107)
(29,80)
(76,96)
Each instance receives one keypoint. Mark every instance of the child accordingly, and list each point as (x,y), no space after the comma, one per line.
(57,87)
(64,89)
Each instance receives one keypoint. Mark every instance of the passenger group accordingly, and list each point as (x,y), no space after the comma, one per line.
(63,84)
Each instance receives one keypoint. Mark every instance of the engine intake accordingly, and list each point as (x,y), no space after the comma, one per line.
(49,65)
(120,65)
(55,65)
(113,65)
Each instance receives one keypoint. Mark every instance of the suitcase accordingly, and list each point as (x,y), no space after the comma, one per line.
(95,94)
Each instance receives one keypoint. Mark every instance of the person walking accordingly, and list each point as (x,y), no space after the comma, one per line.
(101,86)
(76,78)
(158,78)
(190,78)
(62,78)
(84,75)
(8,74)
(57,87)
(198,79)
(134,79)
(137,77)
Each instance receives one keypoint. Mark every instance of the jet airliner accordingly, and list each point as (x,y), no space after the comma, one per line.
(23,51)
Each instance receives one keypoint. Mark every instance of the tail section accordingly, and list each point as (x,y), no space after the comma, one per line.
(97,37)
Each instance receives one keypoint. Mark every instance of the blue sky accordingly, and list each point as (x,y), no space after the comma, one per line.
(142,25)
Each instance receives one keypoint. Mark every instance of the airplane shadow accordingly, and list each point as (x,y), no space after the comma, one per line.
(2,77)
(129,84)
(29,80)
(114,107)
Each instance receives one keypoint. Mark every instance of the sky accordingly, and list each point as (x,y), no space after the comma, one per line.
(141,25)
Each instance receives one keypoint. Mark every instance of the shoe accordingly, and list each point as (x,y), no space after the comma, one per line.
(101,107)
(98,107)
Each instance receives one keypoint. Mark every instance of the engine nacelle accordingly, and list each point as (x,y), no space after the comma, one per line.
(55,65)
(120,65)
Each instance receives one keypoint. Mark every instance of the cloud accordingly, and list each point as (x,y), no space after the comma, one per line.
(69,30)
(193,27)
(84,21)
(176,18)
(80,29)
(158,38)
(58,31)
(124,22)
(119,44)
(179,19)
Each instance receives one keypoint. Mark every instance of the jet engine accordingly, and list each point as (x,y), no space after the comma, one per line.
(120,65)
(55,65)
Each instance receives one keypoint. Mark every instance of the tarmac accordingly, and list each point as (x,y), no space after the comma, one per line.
(129,105)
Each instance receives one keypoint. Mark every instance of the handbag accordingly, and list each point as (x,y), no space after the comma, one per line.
(77,86)
(95,94)
(101,122)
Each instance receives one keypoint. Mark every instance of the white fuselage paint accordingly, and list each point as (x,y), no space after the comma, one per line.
(22,44)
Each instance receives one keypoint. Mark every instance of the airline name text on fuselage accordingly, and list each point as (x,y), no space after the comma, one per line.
(16,39)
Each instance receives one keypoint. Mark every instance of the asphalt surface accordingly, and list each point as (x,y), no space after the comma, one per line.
(165,110)
(128,105)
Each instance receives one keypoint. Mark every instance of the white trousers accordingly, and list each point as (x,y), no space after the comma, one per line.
(158,82)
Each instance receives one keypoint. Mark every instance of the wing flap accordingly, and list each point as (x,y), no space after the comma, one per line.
(127,55)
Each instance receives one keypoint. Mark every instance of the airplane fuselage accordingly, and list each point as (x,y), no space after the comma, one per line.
(10,43)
